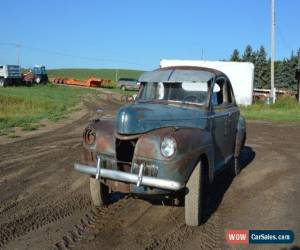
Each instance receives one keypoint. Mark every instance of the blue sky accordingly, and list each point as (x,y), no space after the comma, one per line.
(137,33)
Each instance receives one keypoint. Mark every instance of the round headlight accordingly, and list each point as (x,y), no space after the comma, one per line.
(168,146)
(89,136)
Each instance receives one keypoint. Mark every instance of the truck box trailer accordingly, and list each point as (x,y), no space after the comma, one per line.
(9,74)
(240,74)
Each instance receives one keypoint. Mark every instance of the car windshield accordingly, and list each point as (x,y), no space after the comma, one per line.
(183,92)
(176,85)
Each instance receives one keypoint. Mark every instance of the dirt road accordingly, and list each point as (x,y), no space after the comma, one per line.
(44,204)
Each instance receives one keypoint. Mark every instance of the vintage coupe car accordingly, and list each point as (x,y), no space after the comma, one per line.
(184,127)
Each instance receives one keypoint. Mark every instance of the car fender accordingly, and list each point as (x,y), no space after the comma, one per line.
(104,142)
(192,143)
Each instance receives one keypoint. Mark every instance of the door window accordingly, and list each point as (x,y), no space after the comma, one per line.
(222,93)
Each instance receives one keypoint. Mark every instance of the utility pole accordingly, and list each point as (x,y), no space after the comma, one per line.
(116,75)
(298,76)
(18,46)
(273,93)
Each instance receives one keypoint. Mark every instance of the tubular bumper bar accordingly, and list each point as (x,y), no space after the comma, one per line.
(129,177)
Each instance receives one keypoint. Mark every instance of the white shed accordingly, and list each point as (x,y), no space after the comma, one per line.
(240,74)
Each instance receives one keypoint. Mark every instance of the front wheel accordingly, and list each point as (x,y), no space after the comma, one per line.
(2,82)
(99,192)
(193,199)
(38,80)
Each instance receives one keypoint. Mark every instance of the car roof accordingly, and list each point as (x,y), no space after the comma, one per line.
(180,73)
(214,71)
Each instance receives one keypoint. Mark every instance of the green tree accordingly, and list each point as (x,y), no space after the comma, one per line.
(235,57)
(293,64)
(284,69)
(285,73)
(261,71)
(282,74)
(248,55)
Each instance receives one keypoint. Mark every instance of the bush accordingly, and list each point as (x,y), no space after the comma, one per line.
(285,109)
(285,102)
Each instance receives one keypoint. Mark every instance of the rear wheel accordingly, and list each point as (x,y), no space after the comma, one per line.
(235,167)
(99,192)
(123,88)
(193,200)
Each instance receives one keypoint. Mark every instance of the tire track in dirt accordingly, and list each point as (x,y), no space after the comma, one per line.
(27,222)
(139,224)
(39,191)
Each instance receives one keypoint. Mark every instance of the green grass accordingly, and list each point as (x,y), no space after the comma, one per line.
(285,109)
(25,106)
(82,74)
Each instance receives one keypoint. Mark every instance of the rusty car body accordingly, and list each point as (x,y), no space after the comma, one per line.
(183,127)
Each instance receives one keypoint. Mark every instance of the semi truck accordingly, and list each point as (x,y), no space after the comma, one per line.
(10,74)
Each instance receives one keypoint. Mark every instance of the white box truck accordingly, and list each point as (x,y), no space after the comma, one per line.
(10,74)
(240,74)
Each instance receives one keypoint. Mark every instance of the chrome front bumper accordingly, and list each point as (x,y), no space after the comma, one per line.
(117,175)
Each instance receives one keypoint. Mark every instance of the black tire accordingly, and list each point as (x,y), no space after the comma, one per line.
(244,140)
(123,88)
(2,82)
(235,167)
(99,192)
(194,197)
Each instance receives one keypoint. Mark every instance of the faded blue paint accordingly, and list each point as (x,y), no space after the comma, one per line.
(207,132)
(143,117)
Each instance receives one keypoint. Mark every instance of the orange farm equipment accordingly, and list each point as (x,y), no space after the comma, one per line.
(91,82)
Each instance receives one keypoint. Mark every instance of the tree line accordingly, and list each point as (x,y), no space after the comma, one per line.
(284,69)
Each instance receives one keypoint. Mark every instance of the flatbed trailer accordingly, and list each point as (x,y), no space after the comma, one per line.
(91,82)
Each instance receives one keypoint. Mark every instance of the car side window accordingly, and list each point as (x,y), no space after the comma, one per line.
(228,92)
(222,93)
(217,95)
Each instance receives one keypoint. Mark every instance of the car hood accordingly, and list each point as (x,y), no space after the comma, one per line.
(143,117)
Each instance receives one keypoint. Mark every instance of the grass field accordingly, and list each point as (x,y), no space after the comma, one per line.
(285,109)
(82,74)
(24,106)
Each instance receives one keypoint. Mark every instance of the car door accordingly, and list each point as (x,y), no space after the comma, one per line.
(222,128)
(232,119)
